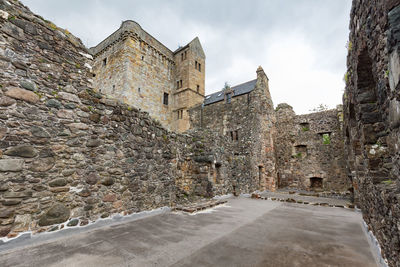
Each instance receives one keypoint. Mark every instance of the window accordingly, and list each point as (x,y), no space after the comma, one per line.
(195,65)
(139,90)
(113,88)
(185,55)
(180,114)
(165,99)
(199,67)
(177,84)
(198,88)
(228,98)
(104,61)
(305,126)
(234,135)
(142,57)
(180,84)
(248,98)
(326,137)
(182,57)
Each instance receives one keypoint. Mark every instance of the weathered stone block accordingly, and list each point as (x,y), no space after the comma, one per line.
(39,132)
(25,151)
(58,213)
(58,182)
(42,164)
(11,165)
(22,94)
(69,97)
(6,101)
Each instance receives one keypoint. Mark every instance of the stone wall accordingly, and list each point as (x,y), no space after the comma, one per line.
(69,155)
(248,122)
(372,116)
(310,150)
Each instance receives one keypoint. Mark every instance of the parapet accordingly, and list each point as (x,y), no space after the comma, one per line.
(131,28)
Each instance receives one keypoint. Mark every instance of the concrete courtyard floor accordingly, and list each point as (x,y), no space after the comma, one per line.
(243,232)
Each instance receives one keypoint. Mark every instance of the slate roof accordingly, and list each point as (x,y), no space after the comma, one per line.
(240,89)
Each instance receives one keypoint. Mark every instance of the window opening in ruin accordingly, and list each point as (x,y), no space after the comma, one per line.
(195,65)
(185,55)
(260,175)
(177,84)
(248,98)
(305,126)
(326,138)
(236,135)
(316,183)
(199,67)
(113,88)
(228,97)
(142,57)
(165,99)
(231,133)
(182,57)
(301,151)
(180,84)
(198,88)
(104,61)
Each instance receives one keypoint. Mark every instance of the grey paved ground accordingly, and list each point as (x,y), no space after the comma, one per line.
(245,232)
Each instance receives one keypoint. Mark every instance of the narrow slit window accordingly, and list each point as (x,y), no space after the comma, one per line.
(198,88)
(177,84)
(199,67)
(165,99)
(195,65)
(104,61)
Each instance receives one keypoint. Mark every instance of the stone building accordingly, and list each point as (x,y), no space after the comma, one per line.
(78,144)
(310,150)
(372,118)
(134,67)
(245,114)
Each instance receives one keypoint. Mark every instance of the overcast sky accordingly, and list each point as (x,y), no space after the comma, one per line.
(299,43)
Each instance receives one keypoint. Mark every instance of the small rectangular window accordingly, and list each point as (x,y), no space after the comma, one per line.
(185,55)
(165,99)
(195,65)
(104,61)
(236,136)
(199,67)
(198,88)
(177,84)
(182,57)
(180,84)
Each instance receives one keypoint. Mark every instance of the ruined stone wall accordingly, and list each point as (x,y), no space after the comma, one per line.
(310,150)
(136,72)
(371,118)
(68,154)
(251,118)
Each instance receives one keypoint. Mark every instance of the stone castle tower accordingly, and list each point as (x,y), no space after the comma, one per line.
(134,67)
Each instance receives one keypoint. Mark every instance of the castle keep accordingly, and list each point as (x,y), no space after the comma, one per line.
(126,126)
(132,66)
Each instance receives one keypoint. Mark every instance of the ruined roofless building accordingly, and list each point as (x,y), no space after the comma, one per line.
(134,67)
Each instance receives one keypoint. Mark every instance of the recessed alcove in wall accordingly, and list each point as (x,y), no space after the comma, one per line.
(304,126)
(300,150)
(316,183)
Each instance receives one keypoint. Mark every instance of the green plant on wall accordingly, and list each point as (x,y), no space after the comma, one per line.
(387,182)
(305,128)
(326,139)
